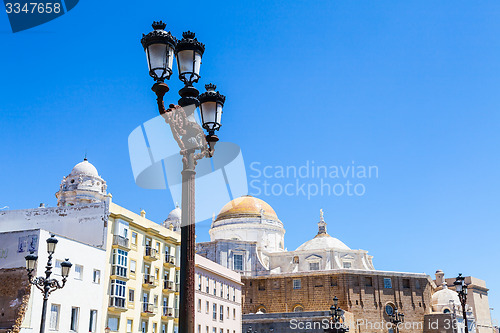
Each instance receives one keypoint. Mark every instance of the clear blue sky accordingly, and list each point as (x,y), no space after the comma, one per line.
(410,86)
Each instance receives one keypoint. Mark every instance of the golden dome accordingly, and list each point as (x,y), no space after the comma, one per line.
(247,206)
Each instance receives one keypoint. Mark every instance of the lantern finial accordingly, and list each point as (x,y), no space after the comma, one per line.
(210,87)
(188,34)
(159,25)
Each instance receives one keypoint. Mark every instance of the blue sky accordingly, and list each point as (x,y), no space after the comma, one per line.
(410,87)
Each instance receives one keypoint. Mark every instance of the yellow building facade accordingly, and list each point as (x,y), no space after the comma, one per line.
(142,277)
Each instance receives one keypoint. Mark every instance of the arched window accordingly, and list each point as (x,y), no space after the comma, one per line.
(298,308)
(261,309)
(296,259)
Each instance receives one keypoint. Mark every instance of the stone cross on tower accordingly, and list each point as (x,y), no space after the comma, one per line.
(321,224)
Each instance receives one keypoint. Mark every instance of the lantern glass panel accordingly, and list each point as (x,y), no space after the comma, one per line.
(189,63)
(30,264)
(219,113)
(458,288)
(208,114)
(51,247)
(157,56)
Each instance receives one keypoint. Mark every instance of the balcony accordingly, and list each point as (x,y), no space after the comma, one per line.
(168,287)
(149,281)
(151,254)
(117,304)
(121,242)
(169,261)
(148,309)
(167,313)
(118,272)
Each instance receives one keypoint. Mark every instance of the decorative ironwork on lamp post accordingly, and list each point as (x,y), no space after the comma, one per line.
(461,289)
(397,318)
(194,144)
(337,324)
(45,284)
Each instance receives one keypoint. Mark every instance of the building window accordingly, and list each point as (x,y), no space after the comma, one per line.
(417,284)
(207,307)
(96,277)
(118,293)
(346,265)
(389,309)
(296,260)
(57,269)
(199,328)
(333,281)
(163,328)
(113,323)
(262,285)
(214,330)
(215,288)
(296,283)
(199,304)
(318,282)
(144,326)
(199,282)
(222,290)
(129,322)
(119,263)
(221,313)
(238,262)
(131,295)
(74,319)
(368,281)
(207,286)
(234,313)
(93,321)
(314,266)
(214,317)
(78,272)
(406,283)
(134,238)
(207,329)
(133,266)
(54,316)
(221,330)
(387,283)
(298,308)
(154,327)
(234,294)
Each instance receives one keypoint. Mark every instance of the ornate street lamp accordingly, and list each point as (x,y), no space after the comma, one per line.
(159,46)
(397,318)
(336,314)
(461,289)
(194,144)
(45,284)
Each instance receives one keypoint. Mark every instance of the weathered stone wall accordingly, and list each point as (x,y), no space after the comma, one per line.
(362,293)
(14,296)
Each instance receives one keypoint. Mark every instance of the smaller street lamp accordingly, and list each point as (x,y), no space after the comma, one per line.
(336,318)
(461,289)
(45,284)
(397,318)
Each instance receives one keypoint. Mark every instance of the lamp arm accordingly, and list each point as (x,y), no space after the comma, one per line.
(38,282)
(54,284)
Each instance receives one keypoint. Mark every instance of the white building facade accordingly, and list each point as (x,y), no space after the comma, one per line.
(217,298)
(75,308)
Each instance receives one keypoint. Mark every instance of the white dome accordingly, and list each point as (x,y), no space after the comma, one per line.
(444,299)
(84,168)
(175,214)
(322,242)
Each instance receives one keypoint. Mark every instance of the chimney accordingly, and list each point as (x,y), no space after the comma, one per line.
(439,277)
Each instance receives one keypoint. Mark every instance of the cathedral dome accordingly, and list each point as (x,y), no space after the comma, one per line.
(246,207)
(322,240)
(444,299)
(175,214)
(322,243)
(84,168)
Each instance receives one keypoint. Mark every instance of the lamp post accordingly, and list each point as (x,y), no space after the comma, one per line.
(194,144)
(336,318)
(461,289)
(397,318)
(45,284)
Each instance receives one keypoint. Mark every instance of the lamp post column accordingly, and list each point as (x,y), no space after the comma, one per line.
(46,290)
(186,316)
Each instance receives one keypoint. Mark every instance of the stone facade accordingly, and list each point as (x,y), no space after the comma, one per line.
(14,287)
(363,293)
